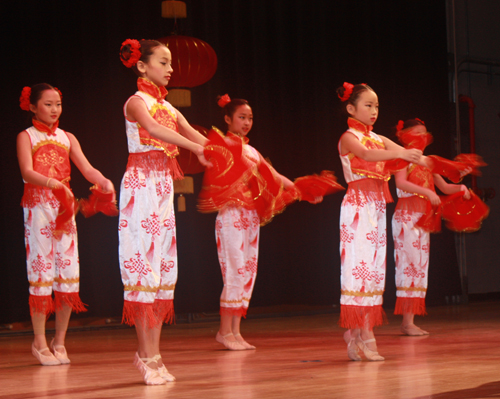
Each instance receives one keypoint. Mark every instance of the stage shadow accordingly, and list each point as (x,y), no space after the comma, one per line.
(488,390)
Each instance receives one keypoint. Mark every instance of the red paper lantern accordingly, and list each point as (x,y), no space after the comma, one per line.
(194,62)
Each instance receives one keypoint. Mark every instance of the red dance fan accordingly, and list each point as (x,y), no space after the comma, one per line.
(464,216)
(431,219)
(99,201)
(313,186)
(463,165)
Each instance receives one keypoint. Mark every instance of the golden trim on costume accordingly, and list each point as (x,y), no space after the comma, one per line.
(357,293)
(41,143)
(73,280)
(41,283)
(235,300)
(141,288)
(419,289)
(170,287)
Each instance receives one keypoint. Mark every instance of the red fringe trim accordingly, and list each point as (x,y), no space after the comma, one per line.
(34,195)
(374,189)
(134,312)
(175,169)
(147,161)
(410,305)
(41,304)
(71,299)
(155,160)
(361,316)
(164,311)
(412,204)
(241,311)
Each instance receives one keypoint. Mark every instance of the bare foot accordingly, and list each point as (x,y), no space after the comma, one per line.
(413,330)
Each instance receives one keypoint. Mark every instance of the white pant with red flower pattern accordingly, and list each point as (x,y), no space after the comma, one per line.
(147,239)
(237,234)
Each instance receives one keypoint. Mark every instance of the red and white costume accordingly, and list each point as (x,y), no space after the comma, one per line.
(237,234)
(229,191)
(411,244)
(363,239)
(53,264)
(147,239)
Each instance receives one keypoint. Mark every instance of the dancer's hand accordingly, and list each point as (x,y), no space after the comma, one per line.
(466,191)
(434,198)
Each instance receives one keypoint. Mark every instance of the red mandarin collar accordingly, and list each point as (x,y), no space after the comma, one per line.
(148,87)
(245,139)
(44,128)
(359,126)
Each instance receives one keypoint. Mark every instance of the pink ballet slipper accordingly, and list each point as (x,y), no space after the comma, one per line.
(231,345)
(45,360)
(150,376)
(163,370)
(60,354)
(370,355)
(244,343)
(352,348)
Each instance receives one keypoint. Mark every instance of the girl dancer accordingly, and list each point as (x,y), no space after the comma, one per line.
(44,151)
(238,221)
(147,243)
(362,218)
(415,187)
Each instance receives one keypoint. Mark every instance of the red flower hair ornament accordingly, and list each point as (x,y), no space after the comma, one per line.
(400,125)
(347,91)
(224,100)
(24,100)
(134,53)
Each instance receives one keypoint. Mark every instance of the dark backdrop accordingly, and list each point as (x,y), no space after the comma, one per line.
(286,57)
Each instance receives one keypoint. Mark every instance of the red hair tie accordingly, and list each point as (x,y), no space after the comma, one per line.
(24,100)
(400,126)
(421,121)
(223,101)
(135,52)
(347,91)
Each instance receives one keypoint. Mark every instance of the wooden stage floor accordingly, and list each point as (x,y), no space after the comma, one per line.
(296,357)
